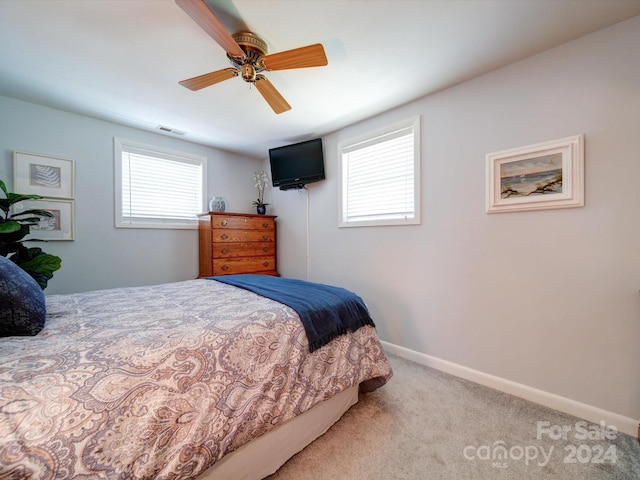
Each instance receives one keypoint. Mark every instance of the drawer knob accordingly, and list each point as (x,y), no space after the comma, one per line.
(224,236)
(265,249)
(265,264)
(225,267)
(225,251)
(224,223)
(265,225)
(265,237)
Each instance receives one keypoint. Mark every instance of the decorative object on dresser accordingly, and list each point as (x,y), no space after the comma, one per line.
(262,182)
(236,243)
(216,204)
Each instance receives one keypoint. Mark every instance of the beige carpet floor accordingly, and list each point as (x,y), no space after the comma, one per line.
(425,424)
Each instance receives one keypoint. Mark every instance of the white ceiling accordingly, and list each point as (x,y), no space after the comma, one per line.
(121,60)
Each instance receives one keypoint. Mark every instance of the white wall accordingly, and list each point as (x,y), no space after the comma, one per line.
(548,299)
(102,256)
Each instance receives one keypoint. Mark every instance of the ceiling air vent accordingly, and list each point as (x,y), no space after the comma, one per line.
(162,128)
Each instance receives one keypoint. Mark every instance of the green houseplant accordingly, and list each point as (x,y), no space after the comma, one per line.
(14,227)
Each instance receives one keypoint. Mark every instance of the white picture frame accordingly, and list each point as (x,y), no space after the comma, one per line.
(42,175)
(542,176)
(58,227)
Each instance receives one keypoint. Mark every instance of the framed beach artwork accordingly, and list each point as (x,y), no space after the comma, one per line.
(43,175)
(57,227)
(536,177)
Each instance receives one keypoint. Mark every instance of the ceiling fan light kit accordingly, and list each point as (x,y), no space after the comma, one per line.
(248,53)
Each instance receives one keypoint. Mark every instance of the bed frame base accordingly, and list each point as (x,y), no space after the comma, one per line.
(265,455)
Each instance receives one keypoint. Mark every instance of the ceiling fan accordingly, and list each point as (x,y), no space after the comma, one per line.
(248,53)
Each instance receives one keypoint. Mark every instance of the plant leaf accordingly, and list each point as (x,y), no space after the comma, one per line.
(4,206)
(33,211)
(42,263)
(29,221)
(14,236)
(9,227)
(19,197)
(36,263)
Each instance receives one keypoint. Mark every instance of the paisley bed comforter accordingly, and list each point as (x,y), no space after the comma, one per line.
(161,382)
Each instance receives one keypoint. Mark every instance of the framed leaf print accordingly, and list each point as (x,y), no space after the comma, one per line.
(57,227)
(42,175)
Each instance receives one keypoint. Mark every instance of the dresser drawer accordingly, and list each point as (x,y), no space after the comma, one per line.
(244,265)
(243,223)
(227,235)
(232,250)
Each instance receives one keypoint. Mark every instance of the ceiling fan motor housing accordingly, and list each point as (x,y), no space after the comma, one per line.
(253,47)
(250,41)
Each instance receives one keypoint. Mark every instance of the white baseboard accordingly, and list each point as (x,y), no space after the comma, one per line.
(581,410)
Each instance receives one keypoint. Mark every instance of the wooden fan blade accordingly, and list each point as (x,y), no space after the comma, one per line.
(201,81)
(200,13)
(271,95)
(309,56)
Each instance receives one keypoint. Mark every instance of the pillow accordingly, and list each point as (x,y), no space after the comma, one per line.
(22,303)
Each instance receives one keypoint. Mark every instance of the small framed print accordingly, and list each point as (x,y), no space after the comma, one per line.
(41,175)
(536,177)
(57,227)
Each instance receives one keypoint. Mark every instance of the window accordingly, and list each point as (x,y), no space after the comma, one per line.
(157,188)
(381,177)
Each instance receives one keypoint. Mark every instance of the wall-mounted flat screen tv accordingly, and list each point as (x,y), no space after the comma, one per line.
(293,166)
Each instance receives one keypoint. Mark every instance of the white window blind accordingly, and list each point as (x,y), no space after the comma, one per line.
(157,188)
(380,177)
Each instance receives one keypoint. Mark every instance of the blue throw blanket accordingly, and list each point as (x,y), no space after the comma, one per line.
(326,311)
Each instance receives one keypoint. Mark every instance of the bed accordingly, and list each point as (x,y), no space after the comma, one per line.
(195,379)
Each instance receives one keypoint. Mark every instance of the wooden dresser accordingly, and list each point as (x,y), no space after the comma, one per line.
(236,243)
